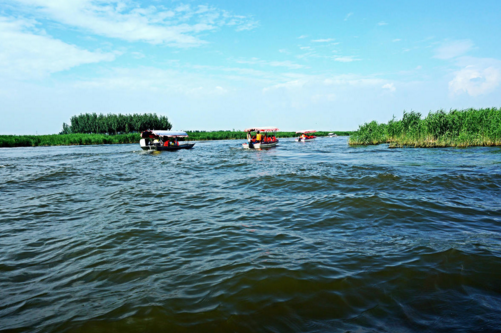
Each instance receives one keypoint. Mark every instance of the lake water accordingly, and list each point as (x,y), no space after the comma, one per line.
(310,237)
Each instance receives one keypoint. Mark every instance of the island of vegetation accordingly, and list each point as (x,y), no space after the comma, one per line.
(94,129)
(456,128)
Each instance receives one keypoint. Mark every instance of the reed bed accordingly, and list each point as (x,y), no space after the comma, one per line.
(456,128)
(66,139)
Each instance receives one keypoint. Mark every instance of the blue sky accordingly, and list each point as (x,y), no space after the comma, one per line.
(329,65)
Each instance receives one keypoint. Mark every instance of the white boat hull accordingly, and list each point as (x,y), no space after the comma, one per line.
(304,140)
(260,145)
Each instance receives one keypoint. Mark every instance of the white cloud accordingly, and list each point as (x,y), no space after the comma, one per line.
(221,90)
(382,23)
(346,59)
(453,49)
(396,40)
(352,80)
(389,86)
(348,80)
(325,40)
(287,63)
(149,79)
(475,81)
(127,20)
(348,16)
(302,36)
(294,84)
(29,54)
(256,61)
(138,55)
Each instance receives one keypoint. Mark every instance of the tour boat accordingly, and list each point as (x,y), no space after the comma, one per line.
(332,135)
(164,140)
(304,137)
(268,138)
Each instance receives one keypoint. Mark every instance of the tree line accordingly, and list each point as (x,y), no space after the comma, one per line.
(115,123)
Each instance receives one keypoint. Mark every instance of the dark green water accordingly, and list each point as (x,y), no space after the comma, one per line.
(305,237)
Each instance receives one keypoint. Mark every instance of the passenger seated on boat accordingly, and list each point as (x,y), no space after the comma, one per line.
(259,137)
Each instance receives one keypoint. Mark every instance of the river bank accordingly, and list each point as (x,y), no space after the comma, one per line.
(97,139)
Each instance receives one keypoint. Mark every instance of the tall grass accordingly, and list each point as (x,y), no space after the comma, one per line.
(456,128)
(66,139)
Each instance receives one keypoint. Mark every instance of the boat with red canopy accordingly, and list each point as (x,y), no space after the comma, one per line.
(164,140)
(305,135)
(261,137)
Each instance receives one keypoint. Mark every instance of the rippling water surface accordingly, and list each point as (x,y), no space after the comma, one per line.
(308,237)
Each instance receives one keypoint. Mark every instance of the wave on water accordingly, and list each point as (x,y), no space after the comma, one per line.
(304,237)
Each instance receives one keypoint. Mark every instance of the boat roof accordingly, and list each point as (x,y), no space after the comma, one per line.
(306,131)
(170,133)
(262,129)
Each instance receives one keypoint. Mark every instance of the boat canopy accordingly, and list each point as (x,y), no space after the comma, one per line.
(180,134)
(261,129)
(306,131)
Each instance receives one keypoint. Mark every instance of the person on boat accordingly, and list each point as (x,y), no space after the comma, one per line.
(259,137)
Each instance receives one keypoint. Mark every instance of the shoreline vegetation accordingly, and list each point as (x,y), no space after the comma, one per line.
(98,139)
(456,128)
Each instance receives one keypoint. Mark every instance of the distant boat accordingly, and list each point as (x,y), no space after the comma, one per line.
(304,137)
(164,140)
(332,135)
(268,139)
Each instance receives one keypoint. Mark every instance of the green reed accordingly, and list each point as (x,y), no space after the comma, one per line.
(456,128)
(66,139)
